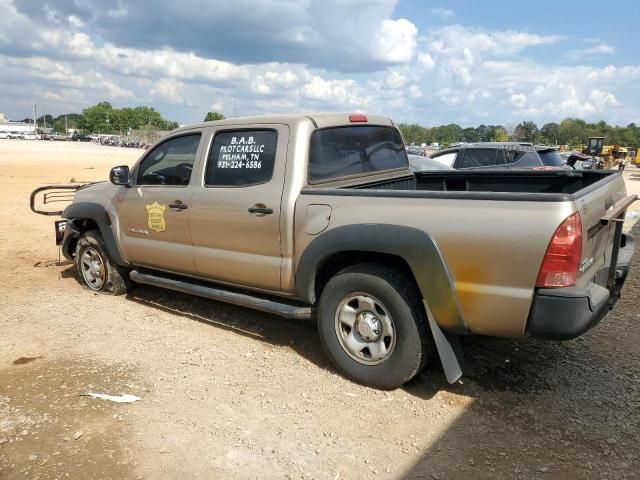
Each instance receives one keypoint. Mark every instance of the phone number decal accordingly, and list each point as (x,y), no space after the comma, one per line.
(249,164)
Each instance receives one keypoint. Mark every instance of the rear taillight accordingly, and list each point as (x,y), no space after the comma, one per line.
(561,261)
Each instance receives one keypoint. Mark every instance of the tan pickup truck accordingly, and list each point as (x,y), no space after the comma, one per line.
(319,216)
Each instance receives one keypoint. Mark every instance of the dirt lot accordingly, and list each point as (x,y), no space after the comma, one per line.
(230,393)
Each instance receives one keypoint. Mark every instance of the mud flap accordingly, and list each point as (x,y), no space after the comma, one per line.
(449,349)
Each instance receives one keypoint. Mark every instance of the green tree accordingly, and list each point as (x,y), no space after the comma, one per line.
(97,119)
(573,131)
(499,135)
(551,132)
(103,118)
(73,121)
(213,116)
(469,135)
(526,132)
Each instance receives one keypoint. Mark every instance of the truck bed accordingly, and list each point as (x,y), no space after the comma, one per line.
(514,185)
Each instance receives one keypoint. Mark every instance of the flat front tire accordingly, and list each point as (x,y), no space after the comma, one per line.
(373,326)
(96,271)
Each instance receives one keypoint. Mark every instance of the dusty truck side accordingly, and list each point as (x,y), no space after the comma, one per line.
(319,214)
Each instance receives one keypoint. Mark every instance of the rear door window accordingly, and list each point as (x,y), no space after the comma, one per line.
(353,150)
(551,158)
(513,156)
(240,158)
(481,157)
(529,159)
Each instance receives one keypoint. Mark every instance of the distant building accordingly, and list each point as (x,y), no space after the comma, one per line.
(7,126)
(3,119)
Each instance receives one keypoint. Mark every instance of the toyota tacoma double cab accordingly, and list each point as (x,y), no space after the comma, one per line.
(320,216)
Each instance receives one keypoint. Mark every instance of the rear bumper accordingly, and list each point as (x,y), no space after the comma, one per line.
(566,313)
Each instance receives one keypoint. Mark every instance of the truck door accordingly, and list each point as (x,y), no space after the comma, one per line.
(153,215)
(235,211)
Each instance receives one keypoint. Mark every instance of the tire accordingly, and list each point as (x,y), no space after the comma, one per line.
(96,271)
(394,352)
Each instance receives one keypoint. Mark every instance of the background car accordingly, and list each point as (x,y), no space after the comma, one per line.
(578,161)
(420,163)
(498,155)
(4,135)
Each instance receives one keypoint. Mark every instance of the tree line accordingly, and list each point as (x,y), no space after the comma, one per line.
(104,118)
(570,131)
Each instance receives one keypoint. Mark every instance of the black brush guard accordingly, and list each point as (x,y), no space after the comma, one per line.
(53,194)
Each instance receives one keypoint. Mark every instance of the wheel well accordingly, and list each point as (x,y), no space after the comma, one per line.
(341,260)
(81,225)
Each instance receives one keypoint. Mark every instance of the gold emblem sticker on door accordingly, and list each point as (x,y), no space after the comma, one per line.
(155,214)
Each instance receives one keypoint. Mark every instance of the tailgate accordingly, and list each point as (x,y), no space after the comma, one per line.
(602,199)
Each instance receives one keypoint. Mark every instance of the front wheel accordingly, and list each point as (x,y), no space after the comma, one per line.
(373,326)
(97,272)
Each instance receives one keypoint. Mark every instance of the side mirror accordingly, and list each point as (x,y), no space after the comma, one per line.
(120,175)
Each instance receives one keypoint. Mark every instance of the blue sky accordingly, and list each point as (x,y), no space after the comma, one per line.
(466,62)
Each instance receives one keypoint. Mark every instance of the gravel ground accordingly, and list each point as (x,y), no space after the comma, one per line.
(231,393)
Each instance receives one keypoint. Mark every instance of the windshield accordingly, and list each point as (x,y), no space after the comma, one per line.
(343,151)
(551,158)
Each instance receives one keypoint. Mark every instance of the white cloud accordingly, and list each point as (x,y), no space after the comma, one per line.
(216,107)
(340,92)
(276,105)
(80,44)
(426,61)
(395,80)
(415,92)
(395,41)
(75,21)
(595,50)
(519,99)
(118,12)
(602,99)
(168,63)
(443,13)
(453,39)
(270,81)
(167,91)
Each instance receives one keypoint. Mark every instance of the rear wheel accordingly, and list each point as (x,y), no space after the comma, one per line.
(373,326)
(97,272)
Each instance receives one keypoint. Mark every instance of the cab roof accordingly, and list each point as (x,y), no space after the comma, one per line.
(320,120)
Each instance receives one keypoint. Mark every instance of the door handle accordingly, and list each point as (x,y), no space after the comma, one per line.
(177,205)
(260,210)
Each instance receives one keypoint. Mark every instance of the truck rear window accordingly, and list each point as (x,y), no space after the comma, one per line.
(344,151)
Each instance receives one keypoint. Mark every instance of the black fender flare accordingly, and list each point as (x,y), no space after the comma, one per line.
(416,247)
(97,213)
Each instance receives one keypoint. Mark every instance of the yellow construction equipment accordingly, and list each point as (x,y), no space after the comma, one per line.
(635,157)
(609,156)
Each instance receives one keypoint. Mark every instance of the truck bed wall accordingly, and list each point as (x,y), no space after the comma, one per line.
(569,182)
(559,182)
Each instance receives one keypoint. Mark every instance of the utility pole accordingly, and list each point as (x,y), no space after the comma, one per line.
(66,126)
(35,119)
